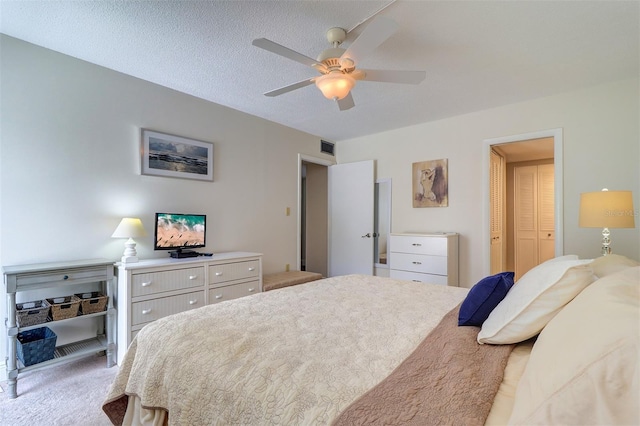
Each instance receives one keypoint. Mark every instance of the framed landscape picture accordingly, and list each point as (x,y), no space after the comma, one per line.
(174,156)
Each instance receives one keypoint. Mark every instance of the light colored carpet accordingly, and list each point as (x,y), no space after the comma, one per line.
(67,394)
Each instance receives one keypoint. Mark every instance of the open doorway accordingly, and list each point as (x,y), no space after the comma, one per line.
(523,217)
(313,236)
(314,224)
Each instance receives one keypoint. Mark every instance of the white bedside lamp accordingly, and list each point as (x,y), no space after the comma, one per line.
(606,209)
(129,227)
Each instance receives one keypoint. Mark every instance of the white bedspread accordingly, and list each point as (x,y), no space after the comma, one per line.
(298,355)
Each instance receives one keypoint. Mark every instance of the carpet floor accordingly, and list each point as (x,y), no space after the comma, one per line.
(67,394)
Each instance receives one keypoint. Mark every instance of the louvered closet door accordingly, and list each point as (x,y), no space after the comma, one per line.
(534,216)
(526,219)
(497,195)
(546,215)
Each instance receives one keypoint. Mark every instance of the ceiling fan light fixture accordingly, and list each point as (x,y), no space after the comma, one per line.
(335,85)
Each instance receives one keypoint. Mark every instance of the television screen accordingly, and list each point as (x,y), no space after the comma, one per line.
(179,231)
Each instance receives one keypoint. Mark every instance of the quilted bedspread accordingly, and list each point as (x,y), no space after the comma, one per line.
(448,380)
(298,355)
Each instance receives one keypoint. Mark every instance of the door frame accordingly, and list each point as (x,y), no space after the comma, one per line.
(307,159)
(557,136)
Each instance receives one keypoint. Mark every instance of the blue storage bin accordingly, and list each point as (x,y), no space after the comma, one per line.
(37,345)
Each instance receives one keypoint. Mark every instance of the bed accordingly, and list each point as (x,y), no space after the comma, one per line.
(369,350)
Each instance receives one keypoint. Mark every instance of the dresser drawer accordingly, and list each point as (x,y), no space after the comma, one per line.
(418,277)
(67,276)
(233,271)
(151,310)
(436,265)
(418,244)
(220,294)
(158,282)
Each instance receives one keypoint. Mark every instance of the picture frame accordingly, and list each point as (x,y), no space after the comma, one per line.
(430,182)
(174,156)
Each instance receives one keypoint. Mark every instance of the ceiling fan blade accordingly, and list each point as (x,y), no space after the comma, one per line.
(393,76)
(371,37)
(346,102)
(291,87)
(279,49)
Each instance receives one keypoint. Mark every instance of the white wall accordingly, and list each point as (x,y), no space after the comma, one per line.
(601,149)
(69,165)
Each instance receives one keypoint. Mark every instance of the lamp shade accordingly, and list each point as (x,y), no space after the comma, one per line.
(607,209)
(129,227)
(335,85)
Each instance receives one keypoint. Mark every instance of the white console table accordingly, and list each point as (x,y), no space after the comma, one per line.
(48,275)
(152,289)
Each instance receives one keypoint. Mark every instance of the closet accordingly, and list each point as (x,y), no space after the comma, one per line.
(533,216)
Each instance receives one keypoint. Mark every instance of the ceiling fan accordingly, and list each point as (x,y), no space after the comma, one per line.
(337,66)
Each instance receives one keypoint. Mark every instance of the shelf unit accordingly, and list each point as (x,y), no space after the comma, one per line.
(21,278)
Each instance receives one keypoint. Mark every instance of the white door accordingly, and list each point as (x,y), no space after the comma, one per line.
(351,198)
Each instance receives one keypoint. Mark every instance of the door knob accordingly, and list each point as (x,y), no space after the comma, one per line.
(367,235)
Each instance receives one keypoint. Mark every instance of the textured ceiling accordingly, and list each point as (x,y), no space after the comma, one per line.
(477,54)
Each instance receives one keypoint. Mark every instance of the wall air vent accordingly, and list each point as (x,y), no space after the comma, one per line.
(327,147)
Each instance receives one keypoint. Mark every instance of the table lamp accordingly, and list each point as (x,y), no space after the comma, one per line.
(129,227)
(606,209)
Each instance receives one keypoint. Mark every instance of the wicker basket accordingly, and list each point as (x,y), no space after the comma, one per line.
(64,307)
(37,345)
(32,313)
(92,302)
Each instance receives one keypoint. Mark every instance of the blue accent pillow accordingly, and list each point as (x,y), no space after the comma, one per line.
(483,297)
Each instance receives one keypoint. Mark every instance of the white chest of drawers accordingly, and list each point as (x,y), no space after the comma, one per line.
(152,289)
(429,258)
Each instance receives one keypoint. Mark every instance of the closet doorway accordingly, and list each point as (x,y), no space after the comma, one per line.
(523,198)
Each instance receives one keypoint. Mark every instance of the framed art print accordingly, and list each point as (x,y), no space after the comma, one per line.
(175,156)
(430,183)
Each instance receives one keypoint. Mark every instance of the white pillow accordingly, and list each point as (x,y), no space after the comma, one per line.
(584,368)
(610,264)
(534,299)
(560,258)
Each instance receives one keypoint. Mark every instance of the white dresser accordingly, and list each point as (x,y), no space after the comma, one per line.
(429,258)
(152,289)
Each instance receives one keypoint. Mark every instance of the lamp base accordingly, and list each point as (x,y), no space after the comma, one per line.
(606,242)
(130,255)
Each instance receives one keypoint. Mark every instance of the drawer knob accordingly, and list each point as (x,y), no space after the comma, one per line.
(218,296)
(252,269)
(146,284)
(251,290)
(146,311)
(66,277)
(193,302)
(416,244)
(218,274)
(417,263)
(193,277)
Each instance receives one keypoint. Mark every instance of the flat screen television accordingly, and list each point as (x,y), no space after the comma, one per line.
(180,232)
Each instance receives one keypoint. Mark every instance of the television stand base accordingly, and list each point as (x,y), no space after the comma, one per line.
(181,254)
